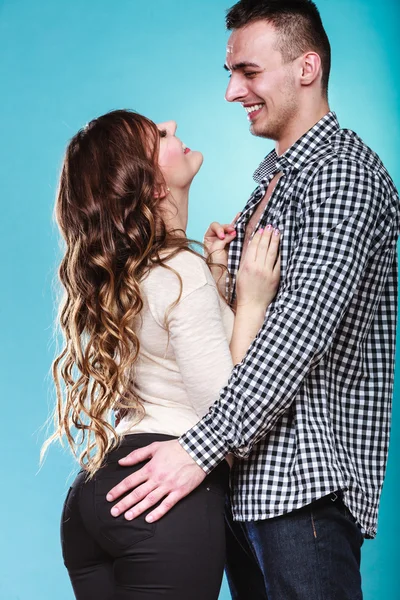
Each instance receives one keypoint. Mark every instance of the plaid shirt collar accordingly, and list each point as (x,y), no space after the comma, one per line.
(300,153)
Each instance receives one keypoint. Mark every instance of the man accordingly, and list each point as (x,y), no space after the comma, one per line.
(307,412)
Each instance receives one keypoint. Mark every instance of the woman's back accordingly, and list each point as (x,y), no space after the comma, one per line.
(184,357)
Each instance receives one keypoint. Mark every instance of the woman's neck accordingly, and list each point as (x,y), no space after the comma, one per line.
(175,213)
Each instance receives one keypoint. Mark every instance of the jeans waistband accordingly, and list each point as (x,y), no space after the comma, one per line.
(133,441)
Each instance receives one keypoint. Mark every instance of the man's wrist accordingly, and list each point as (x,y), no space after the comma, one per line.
(204,446)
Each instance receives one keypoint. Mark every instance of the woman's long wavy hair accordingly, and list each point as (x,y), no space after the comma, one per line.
(109,215)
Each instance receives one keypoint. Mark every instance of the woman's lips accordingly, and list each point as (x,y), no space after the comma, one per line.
(187,150)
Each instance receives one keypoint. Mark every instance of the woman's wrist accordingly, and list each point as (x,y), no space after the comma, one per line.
(250,307)
(218,257)
(248,321)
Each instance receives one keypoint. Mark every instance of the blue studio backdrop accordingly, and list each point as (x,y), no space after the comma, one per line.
(63,63)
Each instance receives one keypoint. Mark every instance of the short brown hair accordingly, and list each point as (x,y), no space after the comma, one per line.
(297,22)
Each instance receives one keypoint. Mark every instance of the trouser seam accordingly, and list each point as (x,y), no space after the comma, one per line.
(315,536)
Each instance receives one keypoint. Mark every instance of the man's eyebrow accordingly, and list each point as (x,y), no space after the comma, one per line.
(241,65)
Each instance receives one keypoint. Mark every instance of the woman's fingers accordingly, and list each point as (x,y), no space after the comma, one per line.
(263,246)
(273,249)
(219,230)
(251,252)
(277,266)
(216,229)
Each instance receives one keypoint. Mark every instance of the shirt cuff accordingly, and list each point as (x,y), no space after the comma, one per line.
(205,447)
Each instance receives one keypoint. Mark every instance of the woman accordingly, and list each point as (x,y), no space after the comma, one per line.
(147,337)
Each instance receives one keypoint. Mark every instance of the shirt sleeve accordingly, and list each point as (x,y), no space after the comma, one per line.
(341,221)
(200,345)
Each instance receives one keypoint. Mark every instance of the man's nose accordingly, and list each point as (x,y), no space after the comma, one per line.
(236,90)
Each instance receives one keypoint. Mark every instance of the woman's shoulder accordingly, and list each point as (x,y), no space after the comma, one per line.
(190,266)
(185,269)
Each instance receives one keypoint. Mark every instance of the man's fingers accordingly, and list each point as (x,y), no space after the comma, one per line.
(171,468)
(148,501)
(133,498)
(138,456)
(166,505)
(130,482)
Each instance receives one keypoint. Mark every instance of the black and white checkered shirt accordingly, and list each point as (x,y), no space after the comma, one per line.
(307,411)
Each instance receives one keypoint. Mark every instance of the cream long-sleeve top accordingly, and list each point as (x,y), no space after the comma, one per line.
(184,357)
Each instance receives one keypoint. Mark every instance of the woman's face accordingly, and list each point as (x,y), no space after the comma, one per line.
(178,163)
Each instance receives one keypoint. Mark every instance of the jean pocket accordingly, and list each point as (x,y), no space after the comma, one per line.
(340,505)
(217,482)
(215,488)
(344,511)
(65,516)
(65,508)
(118,530)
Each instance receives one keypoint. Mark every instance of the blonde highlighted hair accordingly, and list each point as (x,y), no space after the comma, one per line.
(109,216)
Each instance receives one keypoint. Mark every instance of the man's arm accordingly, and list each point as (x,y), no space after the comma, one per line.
(338,227)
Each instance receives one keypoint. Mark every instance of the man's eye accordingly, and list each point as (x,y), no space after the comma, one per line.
(163,133)
(250,74)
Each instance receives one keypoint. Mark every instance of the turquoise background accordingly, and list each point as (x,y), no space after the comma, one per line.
(62,63)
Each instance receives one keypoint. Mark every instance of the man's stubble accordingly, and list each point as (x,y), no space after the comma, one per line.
(276,124)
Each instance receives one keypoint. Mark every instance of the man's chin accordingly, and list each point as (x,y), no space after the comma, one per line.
(261,131)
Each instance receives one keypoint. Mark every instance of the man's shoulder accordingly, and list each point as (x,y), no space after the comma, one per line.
(347,145)
(347,155)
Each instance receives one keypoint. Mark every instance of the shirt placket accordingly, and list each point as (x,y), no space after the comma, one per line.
(237,244)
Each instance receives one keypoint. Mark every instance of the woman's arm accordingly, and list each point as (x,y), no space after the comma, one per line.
(256,286)
(196,331)
(216,243)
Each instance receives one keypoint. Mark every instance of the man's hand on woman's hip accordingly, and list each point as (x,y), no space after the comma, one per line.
(170,475)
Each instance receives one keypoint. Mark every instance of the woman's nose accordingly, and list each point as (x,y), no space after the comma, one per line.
(170,126)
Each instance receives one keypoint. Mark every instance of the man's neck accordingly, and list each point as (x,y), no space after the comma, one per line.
(299,126)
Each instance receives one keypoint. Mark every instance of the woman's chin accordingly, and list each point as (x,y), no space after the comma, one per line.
(197,160)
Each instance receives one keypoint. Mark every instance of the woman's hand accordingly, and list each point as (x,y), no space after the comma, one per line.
(217,239)
(259,273)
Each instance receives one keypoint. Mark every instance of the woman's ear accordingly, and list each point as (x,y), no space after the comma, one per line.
(161,192)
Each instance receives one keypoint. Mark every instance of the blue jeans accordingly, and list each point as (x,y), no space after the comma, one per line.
(309,554)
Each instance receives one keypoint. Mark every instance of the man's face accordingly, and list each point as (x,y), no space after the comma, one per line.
(260,81)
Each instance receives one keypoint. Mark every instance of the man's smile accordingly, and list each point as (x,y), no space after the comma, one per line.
(253,110)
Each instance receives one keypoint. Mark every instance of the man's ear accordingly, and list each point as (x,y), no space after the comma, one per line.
(310,68)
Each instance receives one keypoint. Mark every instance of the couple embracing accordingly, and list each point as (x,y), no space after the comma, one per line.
(251,386)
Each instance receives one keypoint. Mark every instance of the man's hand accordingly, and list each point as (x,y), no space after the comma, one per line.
(170,474)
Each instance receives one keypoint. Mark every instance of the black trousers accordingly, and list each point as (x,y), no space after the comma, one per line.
(180,557)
